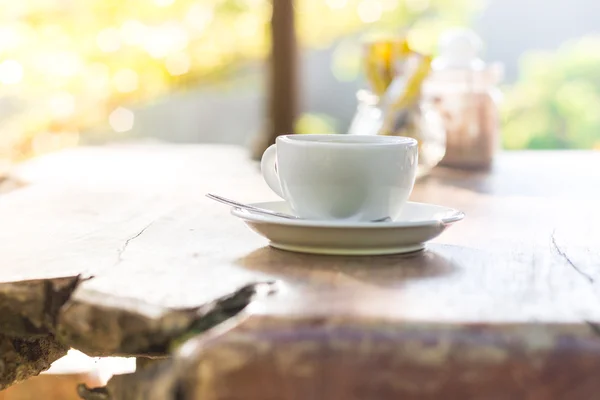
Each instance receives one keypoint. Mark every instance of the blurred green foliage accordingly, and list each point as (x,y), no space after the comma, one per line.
(75,65)
(344,24)
(555,103)
(316,123)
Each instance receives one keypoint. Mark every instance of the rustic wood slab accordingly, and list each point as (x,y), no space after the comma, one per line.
(116,251)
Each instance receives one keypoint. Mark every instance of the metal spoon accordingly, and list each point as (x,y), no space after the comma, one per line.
(258,210)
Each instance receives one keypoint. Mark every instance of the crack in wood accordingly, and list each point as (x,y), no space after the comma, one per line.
(222,310)
(568,260)
(57,296)
(128,241)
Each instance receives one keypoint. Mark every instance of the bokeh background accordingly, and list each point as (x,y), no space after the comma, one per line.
(95,71)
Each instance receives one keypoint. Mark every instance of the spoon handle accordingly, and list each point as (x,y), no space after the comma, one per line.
(233,203)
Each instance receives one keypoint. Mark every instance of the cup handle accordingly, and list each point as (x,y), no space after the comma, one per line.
(269,170)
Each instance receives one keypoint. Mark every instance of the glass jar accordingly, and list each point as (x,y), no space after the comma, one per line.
(464,90)
(421,122)
(468,103)
(368,117)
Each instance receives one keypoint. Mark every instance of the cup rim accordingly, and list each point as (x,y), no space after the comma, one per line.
(322,139)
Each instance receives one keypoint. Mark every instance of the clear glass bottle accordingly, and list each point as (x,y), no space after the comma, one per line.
(368,117)
(464,91)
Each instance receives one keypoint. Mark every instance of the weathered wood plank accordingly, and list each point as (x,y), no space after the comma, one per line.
(163,258)
(24,357)
(366,359)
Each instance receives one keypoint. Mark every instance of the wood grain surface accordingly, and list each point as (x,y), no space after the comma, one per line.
(504,305)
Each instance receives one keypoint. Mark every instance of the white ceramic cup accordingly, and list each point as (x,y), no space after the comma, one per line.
(342,177)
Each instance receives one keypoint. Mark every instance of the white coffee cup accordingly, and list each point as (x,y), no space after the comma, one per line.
(342,177)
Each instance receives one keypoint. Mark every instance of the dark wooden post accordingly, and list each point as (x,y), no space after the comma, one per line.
(283,77)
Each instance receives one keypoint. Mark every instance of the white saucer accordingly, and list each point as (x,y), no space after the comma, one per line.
(417,224)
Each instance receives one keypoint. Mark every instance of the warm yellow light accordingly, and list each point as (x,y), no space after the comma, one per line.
(121,119)
(178,64)
(126,80)
(370,11)
(389,5)
(336,4)
(417,5)
(109,40)
(166,39)
(198,17)
(75,62)
(64,63)
(11,72)
(53,64)
(97,80)
(62,105)
(133,32)
(247,26)
(164,3)
(45,142)
(11,39)
(254,3)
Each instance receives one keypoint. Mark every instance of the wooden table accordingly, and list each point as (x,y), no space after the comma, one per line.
(116,251)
